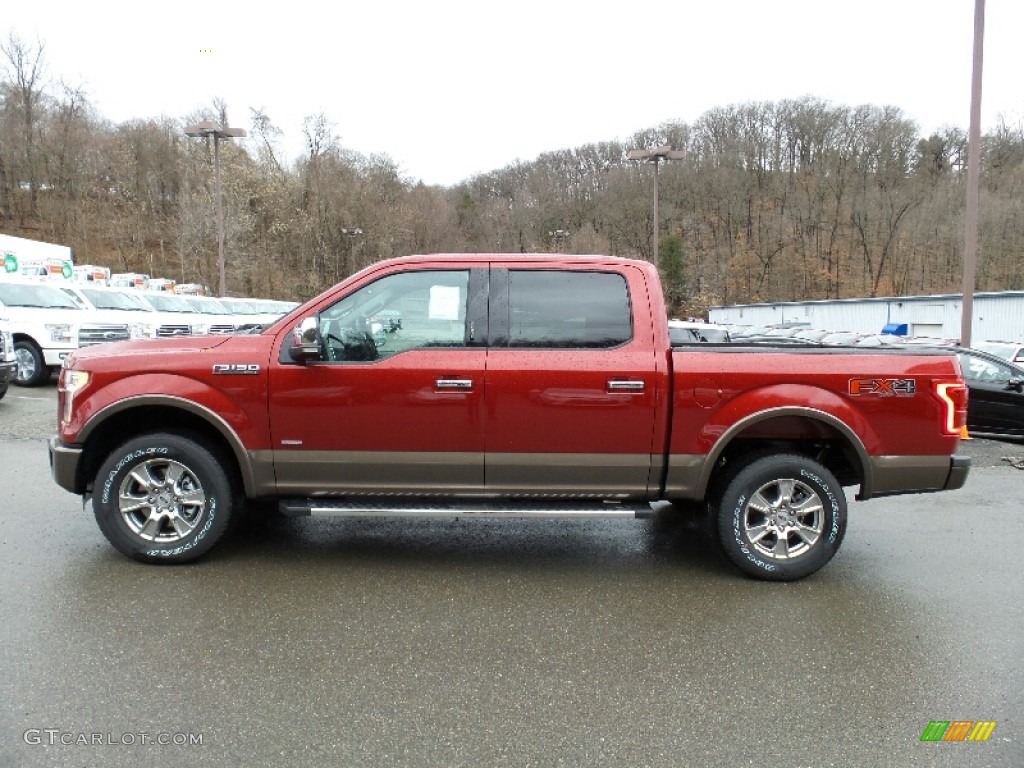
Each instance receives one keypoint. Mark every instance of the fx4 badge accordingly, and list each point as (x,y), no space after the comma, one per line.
(883,387)
(246,369)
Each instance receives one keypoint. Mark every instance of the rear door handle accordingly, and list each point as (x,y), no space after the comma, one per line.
(459,384)
(625,386)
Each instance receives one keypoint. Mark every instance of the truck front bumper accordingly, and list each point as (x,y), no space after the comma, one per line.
(64,464)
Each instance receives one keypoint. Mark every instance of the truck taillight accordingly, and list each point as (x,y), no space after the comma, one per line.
(953,396)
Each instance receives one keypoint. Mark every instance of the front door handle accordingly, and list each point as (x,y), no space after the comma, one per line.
(459,384)
(625,386)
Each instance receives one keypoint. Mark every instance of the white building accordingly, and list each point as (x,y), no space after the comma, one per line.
(997,315)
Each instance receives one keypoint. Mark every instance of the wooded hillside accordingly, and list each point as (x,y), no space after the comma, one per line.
(789,200)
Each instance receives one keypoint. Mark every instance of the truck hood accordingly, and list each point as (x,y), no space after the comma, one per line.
(149,347)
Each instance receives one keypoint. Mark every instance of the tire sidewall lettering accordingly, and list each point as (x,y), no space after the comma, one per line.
(737,495)
(211,514)
(198,458)
(823,486)
(136,457)
(131,456)
(741,542)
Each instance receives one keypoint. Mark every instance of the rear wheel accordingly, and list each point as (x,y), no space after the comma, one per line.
(781,517)
(163,498)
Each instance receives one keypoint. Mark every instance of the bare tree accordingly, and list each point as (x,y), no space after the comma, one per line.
(23,100)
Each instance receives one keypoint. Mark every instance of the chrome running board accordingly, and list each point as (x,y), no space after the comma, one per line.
(419,507)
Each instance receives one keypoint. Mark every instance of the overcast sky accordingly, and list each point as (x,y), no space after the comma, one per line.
(448,89)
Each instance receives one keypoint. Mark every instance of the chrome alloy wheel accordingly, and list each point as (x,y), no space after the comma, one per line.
(161,501)
(784,518)
(27,366)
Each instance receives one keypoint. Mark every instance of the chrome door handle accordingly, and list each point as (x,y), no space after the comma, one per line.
(454,383)
(625,386)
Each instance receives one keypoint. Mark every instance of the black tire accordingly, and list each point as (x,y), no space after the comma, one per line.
(32,369)
(781,517)
(3,389)
(163,498)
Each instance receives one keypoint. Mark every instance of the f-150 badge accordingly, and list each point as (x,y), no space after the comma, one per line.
(883,387)
(245,369)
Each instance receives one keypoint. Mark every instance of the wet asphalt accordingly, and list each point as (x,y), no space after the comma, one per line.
(347,642)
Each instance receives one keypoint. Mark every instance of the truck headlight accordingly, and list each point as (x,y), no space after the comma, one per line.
(60,332)
(71,383)
(141,331)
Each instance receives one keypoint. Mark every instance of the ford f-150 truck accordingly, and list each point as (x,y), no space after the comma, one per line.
(472,385)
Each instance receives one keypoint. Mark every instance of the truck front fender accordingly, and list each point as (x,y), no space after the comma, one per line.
(142,403)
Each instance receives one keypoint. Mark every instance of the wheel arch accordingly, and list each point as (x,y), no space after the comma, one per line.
(790,429)
(131,417)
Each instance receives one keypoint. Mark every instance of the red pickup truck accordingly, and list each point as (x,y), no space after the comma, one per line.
(472,385)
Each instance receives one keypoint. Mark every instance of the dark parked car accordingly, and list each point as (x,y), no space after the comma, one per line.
(8,360)
(995,405)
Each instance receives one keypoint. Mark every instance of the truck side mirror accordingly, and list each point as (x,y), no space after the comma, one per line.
(305,342)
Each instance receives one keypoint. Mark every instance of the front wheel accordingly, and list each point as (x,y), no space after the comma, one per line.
(781,517)
(163,498)
(32,368)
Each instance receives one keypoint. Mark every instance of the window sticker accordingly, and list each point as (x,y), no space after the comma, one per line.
(444,302)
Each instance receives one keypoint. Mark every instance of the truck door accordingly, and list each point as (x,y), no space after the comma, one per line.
(396,401)
(571,382)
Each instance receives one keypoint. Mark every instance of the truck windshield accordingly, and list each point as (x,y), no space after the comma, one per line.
(41,296)
(110,299)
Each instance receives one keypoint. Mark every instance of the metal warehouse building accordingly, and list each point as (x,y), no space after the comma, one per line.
(998,316)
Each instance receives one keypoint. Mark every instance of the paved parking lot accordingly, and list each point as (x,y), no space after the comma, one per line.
(506,643)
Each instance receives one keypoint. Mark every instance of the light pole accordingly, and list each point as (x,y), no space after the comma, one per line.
(206,129)
(352,233)
(973,178)
(559,236)
(655,156)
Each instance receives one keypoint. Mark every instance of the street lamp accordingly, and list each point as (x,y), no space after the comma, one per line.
(206,129)
(655,156)
(352,233)
(559,236)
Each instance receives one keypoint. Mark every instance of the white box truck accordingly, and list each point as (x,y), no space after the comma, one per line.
(34,258)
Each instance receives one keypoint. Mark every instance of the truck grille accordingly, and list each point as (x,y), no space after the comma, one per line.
(98,334)
(222,329)
(169,331)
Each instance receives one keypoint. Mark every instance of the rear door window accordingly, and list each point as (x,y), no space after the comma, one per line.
(568,309)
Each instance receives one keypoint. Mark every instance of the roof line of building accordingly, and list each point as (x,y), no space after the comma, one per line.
(876,299)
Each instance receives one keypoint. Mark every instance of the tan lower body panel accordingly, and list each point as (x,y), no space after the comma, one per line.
(588,475)
(683,480)
(579,475)
(340,472)
(909,474)
(688,475)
